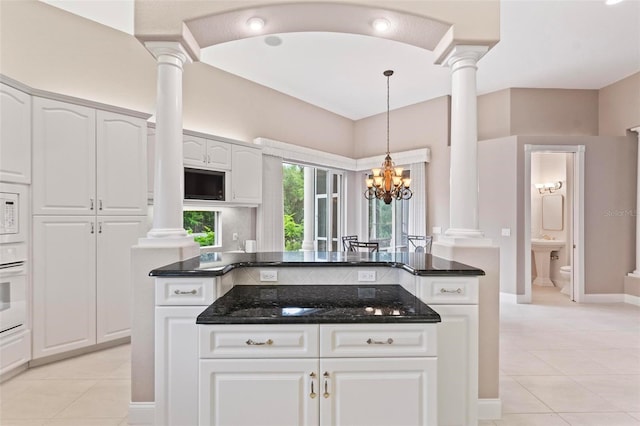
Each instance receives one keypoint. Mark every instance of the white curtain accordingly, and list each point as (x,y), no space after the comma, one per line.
(418,203)
(269,221)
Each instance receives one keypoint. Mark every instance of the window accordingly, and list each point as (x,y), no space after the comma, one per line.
(325,186)
(388,224)
(203,224)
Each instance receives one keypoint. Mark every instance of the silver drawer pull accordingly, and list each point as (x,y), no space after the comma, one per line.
(186,292)
(444,290)
(389,341)
(254,343)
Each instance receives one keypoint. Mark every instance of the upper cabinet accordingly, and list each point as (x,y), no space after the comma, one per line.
(87,161)
(246,174)
(205,153)
(15,135)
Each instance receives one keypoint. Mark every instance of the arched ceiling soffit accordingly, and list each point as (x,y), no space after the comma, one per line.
(406,28)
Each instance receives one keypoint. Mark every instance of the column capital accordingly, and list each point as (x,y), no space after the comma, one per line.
(470,53)
(170,52)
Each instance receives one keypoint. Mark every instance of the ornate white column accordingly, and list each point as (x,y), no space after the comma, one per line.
(463,201)
(169,175)
(636,272)
(309,214)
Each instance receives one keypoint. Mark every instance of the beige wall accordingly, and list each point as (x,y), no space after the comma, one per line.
(619,106)
(41,47)
(494,115)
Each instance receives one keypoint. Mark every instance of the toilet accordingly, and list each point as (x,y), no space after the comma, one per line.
(565,278)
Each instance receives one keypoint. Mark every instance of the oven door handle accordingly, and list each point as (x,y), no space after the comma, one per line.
(12,270)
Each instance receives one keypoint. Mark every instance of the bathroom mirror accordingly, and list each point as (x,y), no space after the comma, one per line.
(552,207)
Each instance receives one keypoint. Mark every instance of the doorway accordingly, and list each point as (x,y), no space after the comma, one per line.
(574,191)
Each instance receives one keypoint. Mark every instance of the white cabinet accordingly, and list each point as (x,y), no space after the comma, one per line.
(275,374)
(64,291)
(81,280)
(87,161)
(205,153)
(246,174)
(456,300)
(178,303)
(15,135)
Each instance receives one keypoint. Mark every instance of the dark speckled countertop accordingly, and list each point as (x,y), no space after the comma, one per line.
(313,304)
(214,264)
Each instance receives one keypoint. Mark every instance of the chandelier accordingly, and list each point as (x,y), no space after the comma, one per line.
(387,183)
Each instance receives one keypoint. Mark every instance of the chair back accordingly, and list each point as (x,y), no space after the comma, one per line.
(346,240)
(363,246)
(420,243)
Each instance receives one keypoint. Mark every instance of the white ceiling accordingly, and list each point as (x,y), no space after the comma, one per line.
(572,44)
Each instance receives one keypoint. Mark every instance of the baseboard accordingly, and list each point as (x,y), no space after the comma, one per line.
(489,408)
(631,299)
(508,297)
(604,298)
(142,413)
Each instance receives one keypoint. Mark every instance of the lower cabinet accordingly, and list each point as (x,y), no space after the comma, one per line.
(318,388)
(81,280)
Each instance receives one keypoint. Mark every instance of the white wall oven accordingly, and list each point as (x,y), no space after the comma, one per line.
(13,277)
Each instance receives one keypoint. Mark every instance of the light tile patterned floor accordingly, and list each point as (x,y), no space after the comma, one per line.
(561,364)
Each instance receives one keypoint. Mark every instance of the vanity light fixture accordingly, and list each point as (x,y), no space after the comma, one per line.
(387,183)
(549,187)
(381,25)
(255,23)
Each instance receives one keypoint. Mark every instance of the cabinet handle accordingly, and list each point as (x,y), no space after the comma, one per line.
(326,385)
(389,341)
(91,203)
(313,377)
(194,291)
(99,227)
(99,204)
(254,343)
(92,230)
(444,290)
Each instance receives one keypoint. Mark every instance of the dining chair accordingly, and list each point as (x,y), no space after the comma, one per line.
(420,243)
(363,246)
(348,239)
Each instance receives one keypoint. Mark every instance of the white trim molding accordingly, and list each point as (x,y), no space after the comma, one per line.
(631,299)
(305,155)
(604,298)
(142,413)
(489,408)
(636,271)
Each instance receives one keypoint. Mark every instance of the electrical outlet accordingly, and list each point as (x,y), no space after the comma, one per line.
(506,232)
(436,230)
(366,275)
(268,275)
(235,236)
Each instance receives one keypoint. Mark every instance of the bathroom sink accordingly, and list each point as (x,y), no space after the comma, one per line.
(541,243)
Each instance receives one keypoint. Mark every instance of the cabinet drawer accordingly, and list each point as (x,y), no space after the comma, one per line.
(14,351)
(258,341)
(378,340)
(448,291)
(185,291)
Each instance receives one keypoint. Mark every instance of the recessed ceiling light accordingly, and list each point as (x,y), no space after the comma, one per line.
(255,23)
(381,24)
(612,2)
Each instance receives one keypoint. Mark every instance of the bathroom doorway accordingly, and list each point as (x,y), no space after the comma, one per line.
(554,219)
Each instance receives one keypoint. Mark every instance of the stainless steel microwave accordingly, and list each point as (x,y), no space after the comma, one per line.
(202,184)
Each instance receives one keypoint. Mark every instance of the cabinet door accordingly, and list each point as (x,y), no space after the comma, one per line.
(64,284)
(194,151)
(457,365)
(121,164)
(15,135)
(268,392)
(246,175)
(64,158)
(218,155)
(378,391)
(115,236)
(176,365)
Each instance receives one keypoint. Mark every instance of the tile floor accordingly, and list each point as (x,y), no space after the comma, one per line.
(561,364)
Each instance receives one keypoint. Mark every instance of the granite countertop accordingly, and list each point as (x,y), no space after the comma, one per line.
(214,264)
(314,304)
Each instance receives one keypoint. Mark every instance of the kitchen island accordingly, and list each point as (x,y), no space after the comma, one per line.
(333,323)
